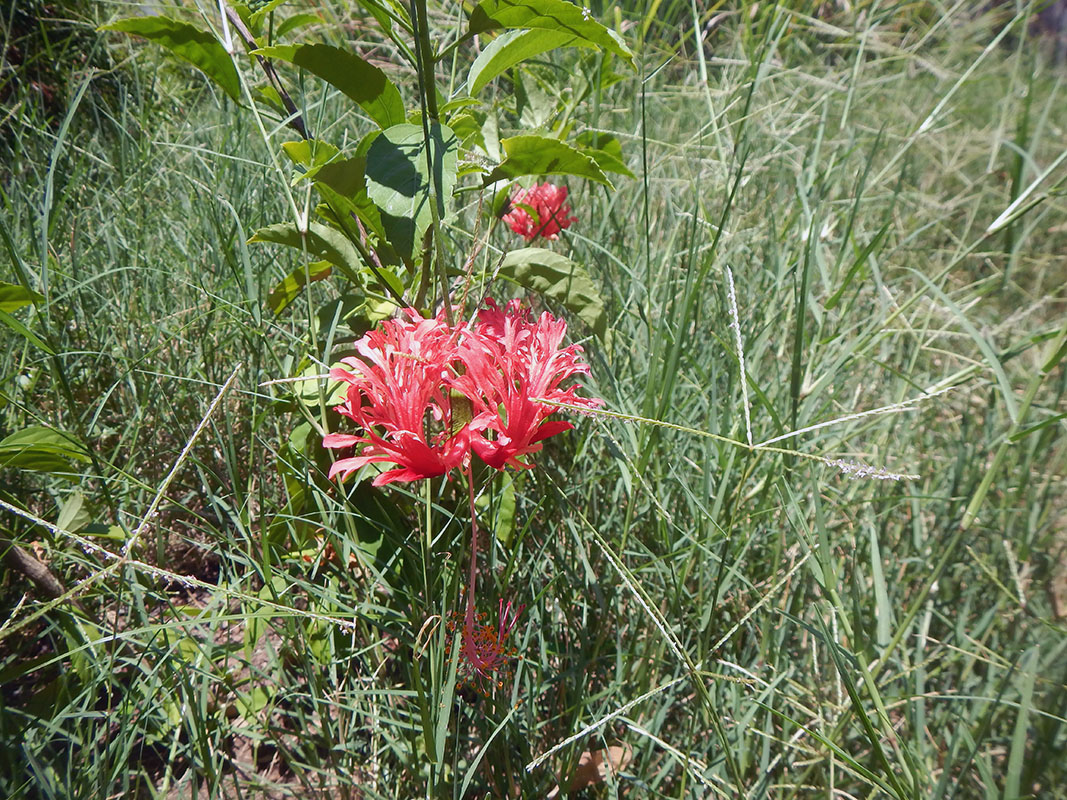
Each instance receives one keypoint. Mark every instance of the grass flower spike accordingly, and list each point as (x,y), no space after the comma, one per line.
(550,214)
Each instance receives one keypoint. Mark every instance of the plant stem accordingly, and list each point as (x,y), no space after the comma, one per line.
(424,62)
(473,574)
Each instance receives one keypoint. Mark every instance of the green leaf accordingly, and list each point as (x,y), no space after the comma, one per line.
(1016,437)
(559,279)
(293,284)
(535,103)
(983,343)
(340,182)
(459,104)
(537,155)
(41,449)
(290,24)
(1059,351)
(550,15)
(468,128)
(268,96)
(307,390)
(262,9)
(605,149)
(338,209)
(310,153)
(251,705)
(399,181)
(199,48)
(504,524)
(25,332)
(343,186)
(384,12)
(332,315)
(257,618)
(513,47)
(319,241)
(1021,740)
(859,261)
(883,609)
(74,514)
(363,83)
(13,297)
(345,176)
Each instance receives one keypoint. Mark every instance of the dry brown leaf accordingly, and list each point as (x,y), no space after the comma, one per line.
(1057,587)
(595,765)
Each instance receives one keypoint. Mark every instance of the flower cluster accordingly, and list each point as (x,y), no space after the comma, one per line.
(550,213)
(426,394)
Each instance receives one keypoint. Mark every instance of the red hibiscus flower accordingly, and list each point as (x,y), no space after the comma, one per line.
(397,394)
(512,365)
(540,210)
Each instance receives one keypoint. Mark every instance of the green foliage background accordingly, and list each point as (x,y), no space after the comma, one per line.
(738,621)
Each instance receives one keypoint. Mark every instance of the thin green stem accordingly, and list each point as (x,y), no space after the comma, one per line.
(428,101)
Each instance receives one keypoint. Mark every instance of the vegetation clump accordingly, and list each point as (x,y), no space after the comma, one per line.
(720,353)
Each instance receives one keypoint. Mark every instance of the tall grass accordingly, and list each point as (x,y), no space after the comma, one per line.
(740,621)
